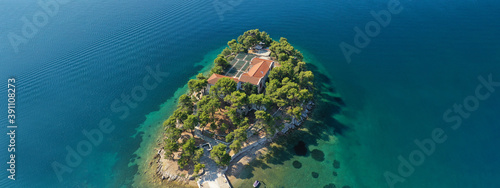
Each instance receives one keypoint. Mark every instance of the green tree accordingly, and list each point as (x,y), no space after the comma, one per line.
(249,41)
(282,57)
(220,155)
(170,147)
(230,137)
(200,76)
(244,123)
(221,61)
(170,122)
(242,48)
(214,125)
(305,79)
(180,114)
(237,99)
(198,153)
(286,95)
(204,100)
(232,114)
(232,42)
(295,112)
(235,146)
(236,47)
(251,37)
(305,95)
(185,103)
(190,123)
(173,134)
(204,119)
(188,149)
(249,88)
(210,106)
(226,51)
(265,38)
(224,86)
(272,88)
(217,70)
(299,67)
(267,120)
(198,167)
(239,134)
(275,93)
(196,85)
(183,162)
(284,51)
(277,73)
(259,101)
(262,116)
(223,127)
(230,57)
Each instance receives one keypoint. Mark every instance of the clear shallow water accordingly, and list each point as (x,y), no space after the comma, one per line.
(394,91)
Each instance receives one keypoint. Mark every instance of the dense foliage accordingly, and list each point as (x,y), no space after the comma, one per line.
(241,45)
(230,113)
(219,155)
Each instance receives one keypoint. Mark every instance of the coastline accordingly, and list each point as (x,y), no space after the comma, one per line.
(149,146)
(167,170)
(245,158)
(250,153)
(324,130)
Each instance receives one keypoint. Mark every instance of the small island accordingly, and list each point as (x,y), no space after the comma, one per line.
(257,90)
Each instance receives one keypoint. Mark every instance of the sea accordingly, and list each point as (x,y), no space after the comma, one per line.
(407,92)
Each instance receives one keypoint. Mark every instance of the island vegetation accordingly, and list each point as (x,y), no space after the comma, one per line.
(229,112)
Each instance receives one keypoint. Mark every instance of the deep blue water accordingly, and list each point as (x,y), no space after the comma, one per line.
(396,90)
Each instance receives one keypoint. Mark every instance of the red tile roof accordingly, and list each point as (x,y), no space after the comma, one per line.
(259,68)
(250,79)
(215,77)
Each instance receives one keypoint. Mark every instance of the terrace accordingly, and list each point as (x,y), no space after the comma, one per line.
(239,65)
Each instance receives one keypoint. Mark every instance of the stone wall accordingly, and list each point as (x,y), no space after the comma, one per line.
(294,123)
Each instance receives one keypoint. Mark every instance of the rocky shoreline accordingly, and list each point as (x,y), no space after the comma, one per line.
(165,173)
(288,96)
(296,123)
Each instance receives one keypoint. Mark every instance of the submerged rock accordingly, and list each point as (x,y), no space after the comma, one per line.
(335,173)
(336,164)
(318,155)
(331,185)
(315,174)
(297,164)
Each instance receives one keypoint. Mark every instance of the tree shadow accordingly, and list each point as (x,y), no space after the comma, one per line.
(243,171)
(247,171)
(320,125)
(328,103)
(277,154)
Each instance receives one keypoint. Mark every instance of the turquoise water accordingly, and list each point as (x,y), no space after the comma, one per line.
(393,92)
